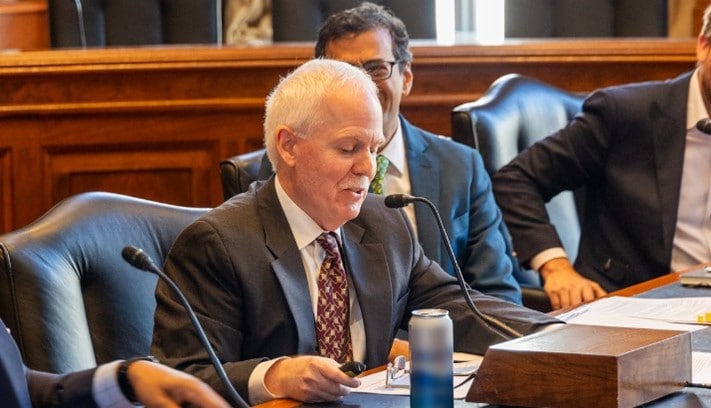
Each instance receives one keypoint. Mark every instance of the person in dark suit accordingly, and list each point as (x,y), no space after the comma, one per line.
(252,267)
(152,384)
(449,174)
(644,165)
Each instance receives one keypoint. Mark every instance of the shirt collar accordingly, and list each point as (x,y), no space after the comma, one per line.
(395,150)
(696,110)
(304,229)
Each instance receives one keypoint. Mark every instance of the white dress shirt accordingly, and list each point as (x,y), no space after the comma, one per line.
(105,388)
(397,177)
(692,236)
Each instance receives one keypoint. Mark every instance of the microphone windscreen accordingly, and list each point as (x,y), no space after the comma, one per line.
(396,201)
(704,125)
(136,257)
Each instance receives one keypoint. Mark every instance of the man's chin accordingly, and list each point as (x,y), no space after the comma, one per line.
(351,211)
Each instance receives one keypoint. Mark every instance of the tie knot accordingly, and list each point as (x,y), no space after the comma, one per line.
(382,161)
(328,242)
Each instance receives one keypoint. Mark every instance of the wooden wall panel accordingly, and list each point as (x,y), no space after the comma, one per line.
(155,122)
(152,169)
(24,24)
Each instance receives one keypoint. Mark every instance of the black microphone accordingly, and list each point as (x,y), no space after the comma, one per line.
(401,200)
(704,125)
(139,259)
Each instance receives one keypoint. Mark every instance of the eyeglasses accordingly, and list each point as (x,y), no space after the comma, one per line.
(378,70)
(395,371)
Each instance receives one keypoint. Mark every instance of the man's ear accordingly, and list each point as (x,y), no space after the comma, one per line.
(407,79)
(285,142)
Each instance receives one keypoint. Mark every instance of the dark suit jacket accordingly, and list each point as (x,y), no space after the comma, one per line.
(627,149)
(452,176)
(22,387)
(243,274)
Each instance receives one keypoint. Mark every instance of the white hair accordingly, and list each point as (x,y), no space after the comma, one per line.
(296,101)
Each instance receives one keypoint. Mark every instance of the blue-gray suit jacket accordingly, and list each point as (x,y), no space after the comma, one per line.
(452,176)
(22,387)
(242,272)
(627,149)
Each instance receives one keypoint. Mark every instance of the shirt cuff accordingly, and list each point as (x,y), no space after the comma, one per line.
(105,388)
(258,392)
(542,257)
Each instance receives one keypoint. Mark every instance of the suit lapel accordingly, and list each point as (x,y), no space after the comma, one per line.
(368,268)
(288,267)
(668,127)
(424,169)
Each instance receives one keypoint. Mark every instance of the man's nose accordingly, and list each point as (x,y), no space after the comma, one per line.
(366,165)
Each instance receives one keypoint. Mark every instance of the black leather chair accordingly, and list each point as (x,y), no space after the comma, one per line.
(66,294)
(515,112)
(300,20)
(238,172)
(100,23)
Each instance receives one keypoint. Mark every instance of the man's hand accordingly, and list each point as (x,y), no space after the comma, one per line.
(309,379)
(565,287)
(157,385)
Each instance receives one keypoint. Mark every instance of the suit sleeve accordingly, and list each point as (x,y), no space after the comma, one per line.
(566,160)
(206,277)
(488,260)
(69,390)
(429,286)
(433,288)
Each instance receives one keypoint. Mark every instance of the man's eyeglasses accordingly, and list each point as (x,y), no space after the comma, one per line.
(396,371)
(378,70)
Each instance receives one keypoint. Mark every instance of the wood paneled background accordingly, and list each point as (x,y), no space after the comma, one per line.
(155,122)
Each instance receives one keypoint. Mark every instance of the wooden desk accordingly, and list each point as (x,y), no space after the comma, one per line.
(664,286)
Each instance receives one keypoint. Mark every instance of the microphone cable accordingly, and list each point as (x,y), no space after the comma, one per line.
(401,200)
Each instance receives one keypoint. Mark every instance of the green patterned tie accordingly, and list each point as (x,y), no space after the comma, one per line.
(376,186)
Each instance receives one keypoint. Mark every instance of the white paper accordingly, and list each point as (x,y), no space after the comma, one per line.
(618,311)
(700,367)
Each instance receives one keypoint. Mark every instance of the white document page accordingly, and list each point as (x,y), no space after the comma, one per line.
(700,367)
(669,314)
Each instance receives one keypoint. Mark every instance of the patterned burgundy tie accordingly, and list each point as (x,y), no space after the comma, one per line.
(332,327)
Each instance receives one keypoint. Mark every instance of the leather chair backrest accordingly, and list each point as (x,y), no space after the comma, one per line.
(67,295)
(238,172)
(301,20)
(134,22)
(515,112)
(585,18)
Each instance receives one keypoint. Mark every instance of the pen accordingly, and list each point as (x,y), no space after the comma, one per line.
(697,385)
